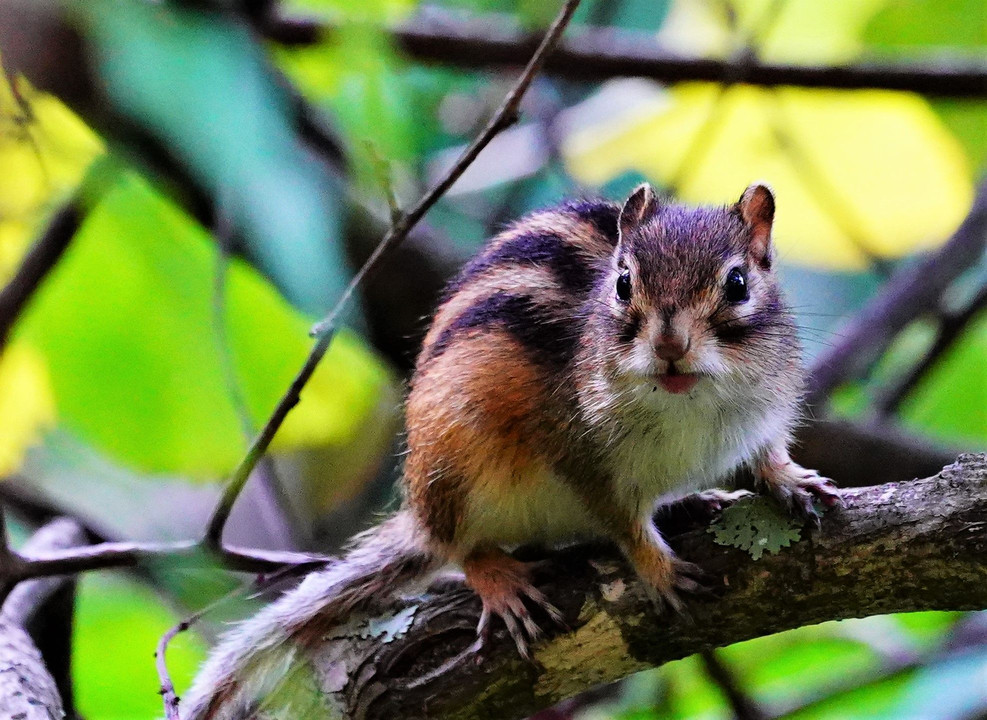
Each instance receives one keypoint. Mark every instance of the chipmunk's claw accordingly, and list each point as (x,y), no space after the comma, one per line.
(687,578)
(504,585)
(798,489)
(715,501)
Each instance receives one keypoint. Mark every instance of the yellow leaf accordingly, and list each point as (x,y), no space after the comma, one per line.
(26,403)
(41,158)
(856,173)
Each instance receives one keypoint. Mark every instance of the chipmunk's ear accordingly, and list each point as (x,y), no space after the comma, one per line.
(640,207)
(756,208)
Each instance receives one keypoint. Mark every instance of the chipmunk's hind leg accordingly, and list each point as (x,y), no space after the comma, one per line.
(503,584)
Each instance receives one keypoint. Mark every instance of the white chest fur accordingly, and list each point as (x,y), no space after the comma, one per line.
(666,446)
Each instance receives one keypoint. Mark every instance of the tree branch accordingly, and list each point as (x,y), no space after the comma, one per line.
(910,293)
(27,690)
(744,707)
(951,327)
(919,545)
(865,453)
(38,261)
(597,54)
(46,607)
(855,454)
(187,554)
(27,687)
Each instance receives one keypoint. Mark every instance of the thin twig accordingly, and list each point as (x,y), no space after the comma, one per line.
(275,503)
(951,327)
(505,116)
(37,263)
(167,689)
(8,560)
(600,54)
(4,541)
(185,554)
(744,707)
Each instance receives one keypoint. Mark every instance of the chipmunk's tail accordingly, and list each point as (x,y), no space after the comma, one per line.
(251,661)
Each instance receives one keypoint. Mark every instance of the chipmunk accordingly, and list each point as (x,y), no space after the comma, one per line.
(591,361)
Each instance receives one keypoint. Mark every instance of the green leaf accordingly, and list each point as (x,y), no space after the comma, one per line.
(357,73)
(125,323)
(904,26)
(117,626)
(951,401)
(355,10)
(913,28)
(756,525)
(800,663)
(201,86)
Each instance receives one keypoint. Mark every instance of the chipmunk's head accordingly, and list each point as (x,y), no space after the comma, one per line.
(690,295)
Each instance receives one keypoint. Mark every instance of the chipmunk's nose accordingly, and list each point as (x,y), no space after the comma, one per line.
(672,347)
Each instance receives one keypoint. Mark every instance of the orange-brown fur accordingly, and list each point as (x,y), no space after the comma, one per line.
(535,414)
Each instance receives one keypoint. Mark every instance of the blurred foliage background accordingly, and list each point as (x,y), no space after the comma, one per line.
(180,312)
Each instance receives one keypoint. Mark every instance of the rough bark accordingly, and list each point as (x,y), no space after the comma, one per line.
(29,689)
(896,547)
(46,607)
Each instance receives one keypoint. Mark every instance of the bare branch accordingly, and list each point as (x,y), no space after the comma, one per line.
(27,690)
(168,694)
(28,624)
(45,607)
(951,327)
(40,259)
(504,117)
(597,54)
(27,598)
(865,453)
(744,707)
(5,554)
(910,293)
(168,555)
(918,545)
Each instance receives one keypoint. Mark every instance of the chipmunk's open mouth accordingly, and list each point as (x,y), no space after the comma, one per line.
(677,382)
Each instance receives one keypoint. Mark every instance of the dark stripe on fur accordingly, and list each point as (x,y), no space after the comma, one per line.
(601,214)
(770,316)
(545,333)
(539,249)
(547,249)
(631,326)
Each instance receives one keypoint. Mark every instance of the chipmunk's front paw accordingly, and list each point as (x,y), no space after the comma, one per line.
(797,488)
(713,502)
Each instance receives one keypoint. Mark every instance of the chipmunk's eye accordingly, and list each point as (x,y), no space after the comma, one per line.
(624,287)
(735,287)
